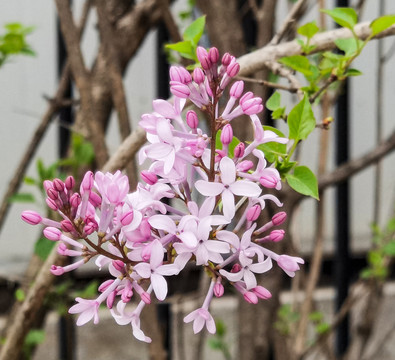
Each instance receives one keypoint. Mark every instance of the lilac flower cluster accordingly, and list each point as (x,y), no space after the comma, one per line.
(198,203)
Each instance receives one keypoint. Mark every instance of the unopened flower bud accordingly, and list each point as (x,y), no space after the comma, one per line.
(47,184)
(247,96)
(203,58)
(218,289)
(94,199)
(233,69)
(277,235)
(57,270)
(279,218)
(213,55)
(198,75)
(31,217)
(67,226)
(192,119)
(145,228)
(250,297)
(220,155)
(127,218)
(127,294)
(118,265)
(252,106)
(111,299)
(261,292)
(58,185)
(253,213)
(51,204)
(237,89)
(75,200)
(239,150)
(87,181)
(105,285)
(227,134)
(236,268)
(69,183)
(52,194)
(245,165)
(268,181)
(52,233)
(180,90)
(62,249)
(226,59)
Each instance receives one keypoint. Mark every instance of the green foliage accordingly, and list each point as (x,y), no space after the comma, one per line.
(381,24)
(379,256)
(13,42)
(43,247)
(20,295)
(286,318)
(298,63)
(345,17)
(303,181)
(217,342)
(274,151)
(22,198)
(191,37)
(33,338)
(301,120)
(308,30)
(274,104)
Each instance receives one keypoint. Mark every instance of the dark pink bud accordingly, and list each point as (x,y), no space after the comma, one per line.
(239,150)
(111,299)
(149,177)
(226,59)
(277,235)
(203,58)
(105,284)
(192,119)
(198,75)
(268,181)
(187,78)
(90,228)
(52,194)
(146,297)
(94,199)
(213,55)
(233,69)
(69,183)
(250,297)
(51,204)
(261,292)
(252,106)
(220,155)
(146,253)
(75,200)
(245,165)
(175,74)
(67,226)
(31,217)
(145,228)
(47,185)
(87,181)
(127,218)
(58,185)
(52,233)
(180,90)
(218,289)
(118,265)
(227,134)
(237,89)
(247,96)
(62,249)
(279,218)
(253,213)
(127,294)
(236,268)
(57,270)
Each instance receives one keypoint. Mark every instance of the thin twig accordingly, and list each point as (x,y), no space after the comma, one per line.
(268,83)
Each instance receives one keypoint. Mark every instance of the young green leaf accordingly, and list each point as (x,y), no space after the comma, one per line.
(43,247)
(303,181)
(301,120)
(298,63)
(273,150)
(22,197)
(349,46)
(382,23)
(274,102)
(194,32)
(309,29)
(345,17)
(184,48)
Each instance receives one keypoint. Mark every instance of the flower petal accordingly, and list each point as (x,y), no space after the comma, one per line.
(228,204)
(162,222)
(228,170)
(245,188)
(207,188)
(159,285)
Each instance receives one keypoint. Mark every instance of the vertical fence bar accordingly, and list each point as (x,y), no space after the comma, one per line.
(342,209)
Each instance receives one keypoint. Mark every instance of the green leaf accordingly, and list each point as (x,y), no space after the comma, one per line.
(382,23)
(273,150)
(353,72)
(43,247)
(346,17)
(303,181)
(20,295)
(194,32)
(309,29)
(389,249)
(274,102)
(35,337)
(301,120)
(215,344)
(22,197)
(184,48)
(298,63)
(349,46)
(29,180)
(322,328)
(221,328)
(316,316)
